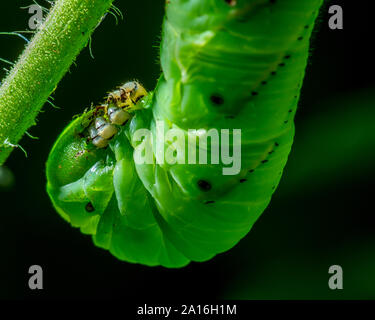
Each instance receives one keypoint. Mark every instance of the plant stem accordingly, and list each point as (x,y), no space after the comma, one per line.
(44,62)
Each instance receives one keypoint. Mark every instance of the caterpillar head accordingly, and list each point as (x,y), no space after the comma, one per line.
(116,112)
(133,90)
(80,160)
(83,142)
(127,95)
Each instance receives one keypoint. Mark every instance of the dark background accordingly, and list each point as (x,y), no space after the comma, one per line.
(322,213)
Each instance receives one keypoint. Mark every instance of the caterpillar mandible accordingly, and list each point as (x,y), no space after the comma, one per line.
(226,65)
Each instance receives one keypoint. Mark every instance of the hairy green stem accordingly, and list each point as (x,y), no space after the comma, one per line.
(44,62)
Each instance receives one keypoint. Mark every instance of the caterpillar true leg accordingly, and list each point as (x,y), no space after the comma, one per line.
(118,116)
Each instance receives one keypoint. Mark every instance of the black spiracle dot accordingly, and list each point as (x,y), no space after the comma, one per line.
(217,99)
(209,202)
(287,56)
(229,117)
(300,38)
(273,73)
(232,3)
(264,83)
(89,207)
(254,93)
(251,171)
(282,64)
(276,144)
(264,161)
(290,110)
(204,185)
(243,180)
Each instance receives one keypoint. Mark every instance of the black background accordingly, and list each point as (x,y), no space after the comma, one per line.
(286,255)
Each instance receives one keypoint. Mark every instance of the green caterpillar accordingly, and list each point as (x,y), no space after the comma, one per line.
(226,64)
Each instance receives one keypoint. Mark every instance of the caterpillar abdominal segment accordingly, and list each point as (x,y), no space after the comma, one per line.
(105,118)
